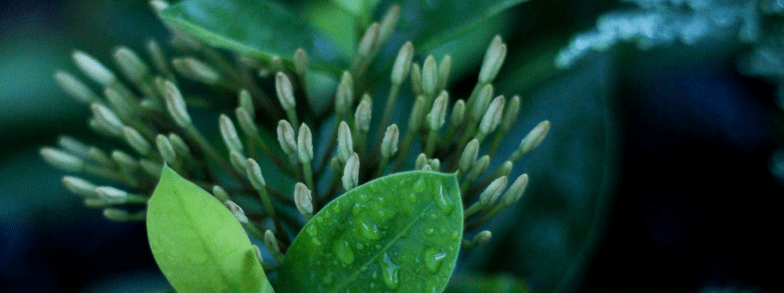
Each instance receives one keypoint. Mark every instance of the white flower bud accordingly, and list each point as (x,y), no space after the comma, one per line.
(286,138)
(458,113)
(79,186)
(158,58)
(345,143)
(151,167)
(125,160)
(351,172)
(73,146)
(131,65)
(493,116)
(388,22)
(481,238)
(301,62)
(176,105)
(516,191)
(165,149)
(107,119)
(116,215)
(303,199)
(532,140)
(417,114)
(136,141)
(229,134)
(369,42)
(490,195)
(389,143)
(420,162)
(492,64)
(469,155)
(246,122)
(246,102)
(429,76)
(111,195)
(416,79)
(438,113)
(285,91)
(363,113)
(305,144)
(510,113)
(479,167)
(179,145)
(122,106)
(402,63)
(237,211)
(254,174)
(220,193)
(195,69)
(93,69)
(239,162)
(75,88)
(482,101)
(271,242)
(443,71)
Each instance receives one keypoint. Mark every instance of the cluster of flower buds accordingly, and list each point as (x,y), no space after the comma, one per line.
(317,155)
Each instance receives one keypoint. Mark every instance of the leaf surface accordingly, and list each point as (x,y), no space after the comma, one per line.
(198,244)
(257,29)
(398,233)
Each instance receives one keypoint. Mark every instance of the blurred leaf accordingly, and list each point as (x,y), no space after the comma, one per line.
(334,22)
(400,233)
(357,7)
(257,29)
(198,244)
(486,284)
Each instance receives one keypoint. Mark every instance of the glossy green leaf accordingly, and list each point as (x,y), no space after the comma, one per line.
(398,233)
(197,242)
(257,29)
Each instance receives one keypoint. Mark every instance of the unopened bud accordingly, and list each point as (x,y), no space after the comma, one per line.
(345,143)
(239,162)
(237,211)
(510,113)
(116,215)
(389,143)
(275,63)
(482,101)
(443,71)
(107,119)
(246,102)
(458,113)
(286,138)
(246,122)
(125,160)
(421,161)
(111,195)
(493,115)
(285,91)
(469,155)
(220,193)
(79,186)
(176,105)
(136,141)
(158,58)
(351,172)
(93,69)
(490,195)
(122,106)
(417,114)
(151,167)
(158,5)
(481,238)
(416,79)
(388,23)
(480,166)
(131,65)
(427,167)
(305,144)
(435,164)
(517,189)
(532,140)
(75,88)
(369,42)
(62,160)
(73,146)
(402,63)
(229,134)
(271,242)
(166,149)
(301,62)
(195,69)
(254,174)
(100,157)
(303,199)
(438,113)
(179,145)
(362,115)
(492,63)
(429,76)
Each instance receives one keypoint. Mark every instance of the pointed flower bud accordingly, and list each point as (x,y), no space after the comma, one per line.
(510,113)
(131,65)
(107,119)
(121,104)
(303,199)
(533,139)
(416,79)
(271,242)
(73,146)
(517,189)
(79,186)
(254,174)
(493,116)
(158,58)
(482,101)
(158,5)
(481,238)
(389,143)
(246,122)
(111,195)
(176,105)
(429,76)
(246,102)
(345,143)
(369,42)
(117,215)
(492,63)
(351,172)
(237,211)
(435,164)
(125,160)
(305,144)
(229,134)
(179,145)
(420,162)
(344,97)
(151,167)
(402,63)
(438,113)
(490,195)
(479,168)
(195,69)
(362,115)
(166,149)
(93,69)
(469,155)
(239,162)
(220,193)
(301,62)
(417,114)
(285,91)
(75,88)
(100,157)
(458,113)
(286,138)
(388,22)
(136,141)
(443,71)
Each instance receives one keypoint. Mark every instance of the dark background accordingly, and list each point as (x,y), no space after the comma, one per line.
(690,205)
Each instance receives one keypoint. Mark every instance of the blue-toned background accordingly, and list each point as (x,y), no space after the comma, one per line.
(665,151)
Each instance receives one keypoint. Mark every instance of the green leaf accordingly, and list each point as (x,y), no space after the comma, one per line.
(257,29)
(398,233)
(197,242)
(357,7)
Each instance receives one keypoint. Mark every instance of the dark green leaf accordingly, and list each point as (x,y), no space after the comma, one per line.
(398,233)
(197,242)
(257,29)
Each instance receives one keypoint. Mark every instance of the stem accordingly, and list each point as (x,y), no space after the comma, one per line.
(391,100)
(431,143)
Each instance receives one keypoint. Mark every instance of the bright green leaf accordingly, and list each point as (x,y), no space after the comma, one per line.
(397,233)
(197,242)
(257,29)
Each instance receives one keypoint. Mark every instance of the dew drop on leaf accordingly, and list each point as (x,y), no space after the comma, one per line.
(343,252)
(390,272)
(368,230)
(433,259)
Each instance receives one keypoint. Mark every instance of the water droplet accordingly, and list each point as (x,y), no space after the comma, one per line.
(343,252)
(420,185)
(430,231)
(316,241)
(363,197)
(357,209)
(433,259)
(312,230)
(390,272)
(360,246)
(444,203)
(320,219)
(336,208)
(368,230)
(328,278)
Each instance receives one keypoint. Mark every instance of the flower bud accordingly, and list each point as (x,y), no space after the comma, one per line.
(136,141)
(285,91)
(73,146)
(388,22)
(492,64)
(100,157)
(125,160)
(438,113)
(75,88)
(493,116)
(176,105)
(435,164)
(482,101)
(286,138)
(458,113)
(303,199)
(271,242)
(351,172)
(220,193)
(443,71)
(246,102)
(62,160)
(305,144)
(416,79)
(390,140)
(246,122)
(179,145)
(469,155)
(195,69)
(131,65)
(93,69)
(151,167)
(479,167)
(79,186)
(532,140)
(429,76)
(420,162)
(166,149)
(229,134)
(116,215)
(516,191)
(158,58)
(254,174)
(111,195)
(239,162)
(122,106)
(490,195)
(107,119)
(402,63)
(369,41)
(510,114)
(362,115)
(481,238)
(237,211)
(417,114)
(345,143)
(301,62)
